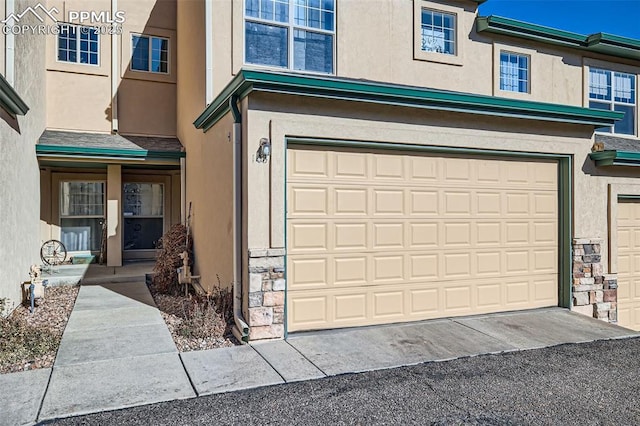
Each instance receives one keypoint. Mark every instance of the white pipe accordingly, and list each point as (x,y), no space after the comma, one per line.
(115,72)
(9,41)
(208,50)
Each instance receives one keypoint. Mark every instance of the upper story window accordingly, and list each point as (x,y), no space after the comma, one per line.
(78,44)
(438,32)
(150,54)
(514,72)
(293,34)
(615,91)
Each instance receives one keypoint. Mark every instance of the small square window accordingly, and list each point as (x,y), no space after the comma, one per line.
(438,32)
(78,44)
(514,72)
(150,54)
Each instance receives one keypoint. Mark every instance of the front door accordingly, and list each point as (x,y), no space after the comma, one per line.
(143,218)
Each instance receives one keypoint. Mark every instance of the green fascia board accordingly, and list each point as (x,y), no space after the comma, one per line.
(10,100)
(248,80)
(134,154)
(615,158)
(603,43)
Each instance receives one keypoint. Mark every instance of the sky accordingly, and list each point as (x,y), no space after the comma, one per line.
(619,17)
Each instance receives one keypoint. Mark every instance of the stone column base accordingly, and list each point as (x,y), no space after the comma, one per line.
(595,294)
(266,294)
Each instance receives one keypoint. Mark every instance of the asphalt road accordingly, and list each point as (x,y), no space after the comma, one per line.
(591,383)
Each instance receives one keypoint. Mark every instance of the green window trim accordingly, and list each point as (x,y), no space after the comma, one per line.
(607,44)
(247,81)
(10,100)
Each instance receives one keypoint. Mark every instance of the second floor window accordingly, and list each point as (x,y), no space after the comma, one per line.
(292,34)
(150,54)
(78,44)
(438,31)
(514,72)
(614,91)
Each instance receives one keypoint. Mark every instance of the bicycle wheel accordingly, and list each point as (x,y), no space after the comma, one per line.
(53,252)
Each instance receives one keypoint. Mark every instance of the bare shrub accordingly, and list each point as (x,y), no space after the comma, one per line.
(174,242)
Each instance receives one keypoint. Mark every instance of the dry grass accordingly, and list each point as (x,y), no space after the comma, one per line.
(196,322)
(29,341)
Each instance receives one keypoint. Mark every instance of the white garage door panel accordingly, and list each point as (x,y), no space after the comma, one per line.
(376,238)
(629,264)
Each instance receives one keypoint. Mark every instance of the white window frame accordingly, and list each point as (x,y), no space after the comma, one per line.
(518,54)
(291,27)
(443,58)
(453,29)
(150,37)
(78,31)
(612,103)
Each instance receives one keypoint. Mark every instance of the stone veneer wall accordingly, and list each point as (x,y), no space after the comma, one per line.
(266,294)
(594,293)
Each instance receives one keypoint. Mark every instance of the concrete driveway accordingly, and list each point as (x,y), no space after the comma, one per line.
(586,384)
(314,355)
(116,352)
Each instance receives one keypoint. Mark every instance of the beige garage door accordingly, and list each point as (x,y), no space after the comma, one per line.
(629,264)
(379,237)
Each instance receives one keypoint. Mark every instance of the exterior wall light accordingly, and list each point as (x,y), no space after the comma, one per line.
(264,151)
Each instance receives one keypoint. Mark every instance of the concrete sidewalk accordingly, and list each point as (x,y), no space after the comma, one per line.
(117,352)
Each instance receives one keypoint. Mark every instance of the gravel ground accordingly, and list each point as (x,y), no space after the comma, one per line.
(194,325)
(44,327)
(584,384)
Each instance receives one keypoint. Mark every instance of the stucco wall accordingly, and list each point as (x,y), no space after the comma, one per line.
(19,174)
(80,95)
(209,162)
(376,41)
(276,116)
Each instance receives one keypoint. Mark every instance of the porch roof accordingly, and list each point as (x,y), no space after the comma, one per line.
(113,148)
(616,151)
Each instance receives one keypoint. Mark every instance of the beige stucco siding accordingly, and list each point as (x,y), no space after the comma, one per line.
(389,53)
(19,174)
(79,102)
(80,95)
(209,164)
(147,108)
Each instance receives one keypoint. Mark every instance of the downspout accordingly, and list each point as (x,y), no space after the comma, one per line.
(114,72)
(240,328)
(183,191)
(208,50)
(9,51)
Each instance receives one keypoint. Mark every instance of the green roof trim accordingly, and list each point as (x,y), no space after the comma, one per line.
(10,100)
(89,152)
(247,81)
(615,158)
(606,44)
